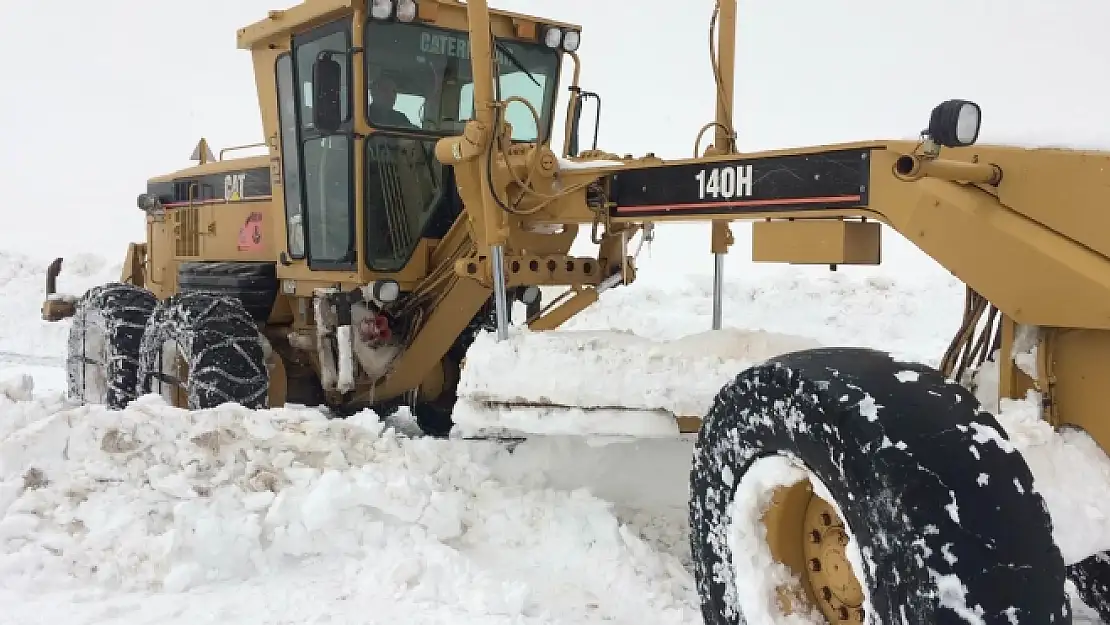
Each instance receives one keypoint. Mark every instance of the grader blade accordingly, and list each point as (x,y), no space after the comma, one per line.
(494,419)
(604,383)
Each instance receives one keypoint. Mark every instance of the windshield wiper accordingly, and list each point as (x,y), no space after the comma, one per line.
(512,59)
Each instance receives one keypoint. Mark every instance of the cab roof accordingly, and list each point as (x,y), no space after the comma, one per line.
(280,24)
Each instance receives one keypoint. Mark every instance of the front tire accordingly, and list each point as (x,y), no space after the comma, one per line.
(948,526)
(201,350)
(1091,577)
(102,355)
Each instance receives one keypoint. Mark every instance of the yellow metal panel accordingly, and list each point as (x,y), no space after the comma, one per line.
(285,21)
(817,241)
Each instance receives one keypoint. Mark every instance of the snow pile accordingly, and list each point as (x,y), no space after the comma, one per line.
(1071,472)
(908,306)
(156,498)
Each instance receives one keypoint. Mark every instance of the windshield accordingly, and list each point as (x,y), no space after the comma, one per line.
(419,78)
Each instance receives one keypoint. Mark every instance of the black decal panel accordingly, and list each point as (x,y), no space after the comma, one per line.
(231,186)
(795,182)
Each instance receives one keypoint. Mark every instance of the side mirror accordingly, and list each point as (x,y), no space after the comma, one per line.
(575,129)
(327,93)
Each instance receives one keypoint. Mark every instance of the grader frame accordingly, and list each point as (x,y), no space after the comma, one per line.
(1018,226)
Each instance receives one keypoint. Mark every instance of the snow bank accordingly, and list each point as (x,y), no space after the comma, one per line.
(155,498)
(1071,472)
(26,341)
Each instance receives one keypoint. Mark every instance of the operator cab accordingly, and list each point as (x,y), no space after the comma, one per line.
(419,89)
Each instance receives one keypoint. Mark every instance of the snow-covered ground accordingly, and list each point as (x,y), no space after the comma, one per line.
(156,514)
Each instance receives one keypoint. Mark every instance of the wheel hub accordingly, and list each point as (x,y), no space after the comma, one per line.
(805,533)
(838,593)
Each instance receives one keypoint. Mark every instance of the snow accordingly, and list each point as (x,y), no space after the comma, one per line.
(587,164)
(133,516)
(638,374)
(310,519)
(158,500)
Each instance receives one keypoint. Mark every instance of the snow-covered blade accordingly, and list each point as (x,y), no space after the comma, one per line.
(603,383)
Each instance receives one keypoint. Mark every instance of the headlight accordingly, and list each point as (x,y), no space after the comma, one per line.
(381,9)
(571,40)
(552,37)
(406,10)
(530,295)
(955,123)
(386,291)
(149,203)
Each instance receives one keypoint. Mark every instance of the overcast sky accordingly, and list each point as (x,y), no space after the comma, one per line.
(102,95)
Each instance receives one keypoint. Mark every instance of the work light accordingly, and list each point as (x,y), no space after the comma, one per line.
(955,123)
(571,39)
(406,10)
(552,36)
(381,9)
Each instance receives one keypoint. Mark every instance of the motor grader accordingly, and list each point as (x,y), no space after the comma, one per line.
(409,196)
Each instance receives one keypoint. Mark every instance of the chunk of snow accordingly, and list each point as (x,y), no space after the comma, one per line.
(869,408)
(907,376)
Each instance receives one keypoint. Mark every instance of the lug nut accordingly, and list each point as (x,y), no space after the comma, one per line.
(844,613)
(826,593)
(826,519)
(815,537)
(814,565)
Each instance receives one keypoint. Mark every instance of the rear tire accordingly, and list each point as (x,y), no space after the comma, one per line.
(925,481)
(218,345)
(102,356)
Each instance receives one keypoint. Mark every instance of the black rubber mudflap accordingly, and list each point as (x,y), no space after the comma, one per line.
(253,283)
(1091,577)
(106,332)
(219,341)
(927,482)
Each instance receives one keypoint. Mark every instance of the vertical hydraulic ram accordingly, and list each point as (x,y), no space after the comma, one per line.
(723,140)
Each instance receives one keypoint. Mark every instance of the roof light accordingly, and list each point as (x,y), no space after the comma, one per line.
(406,10)
(571,40)
(552,37)
(381,9)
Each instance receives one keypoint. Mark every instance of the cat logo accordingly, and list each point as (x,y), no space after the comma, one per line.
(233,187)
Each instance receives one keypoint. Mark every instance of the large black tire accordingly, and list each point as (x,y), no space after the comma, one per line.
(223,350)
(1091,577)
(255,284)
(102,356)
(907,478)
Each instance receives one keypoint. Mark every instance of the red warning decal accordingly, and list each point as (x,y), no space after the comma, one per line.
(250,235)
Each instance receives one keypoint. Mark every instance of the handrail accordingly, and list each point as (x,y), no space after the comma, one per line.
(240,147)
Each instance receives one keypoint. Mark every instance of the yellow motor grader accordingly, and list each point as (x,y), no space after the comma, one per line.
(409,196)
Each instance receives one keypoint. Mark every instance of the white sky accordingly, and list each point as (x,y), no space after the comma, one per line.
(102,95)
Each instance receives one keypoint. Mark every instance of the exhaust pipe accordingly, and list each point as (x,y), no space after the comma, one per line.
(52,272)
(55,307)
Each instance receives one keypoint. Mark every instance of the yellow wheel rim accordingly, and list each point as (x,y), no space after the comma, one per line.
(805,533)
